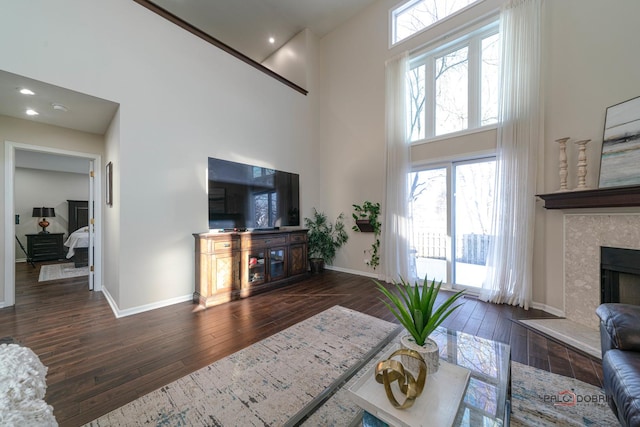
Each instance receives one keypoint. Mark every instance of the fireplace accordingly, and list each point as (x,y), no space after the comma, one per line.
(619,275)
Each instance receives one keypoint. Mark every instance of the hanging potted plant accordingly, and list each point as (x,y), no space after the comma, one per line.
(324,239)
(415,310)
(366,218)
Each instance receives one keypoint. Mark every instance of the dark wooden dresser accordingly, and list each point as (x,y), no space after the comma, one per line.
(45,247)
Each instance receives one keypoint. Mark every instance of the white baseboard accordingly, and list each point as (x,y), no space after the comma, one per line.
(536,305)
(548,309)
(350,271)
(141,309)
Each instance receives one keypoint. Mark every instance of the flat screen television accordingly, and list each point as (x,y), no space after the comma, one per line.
(247,197)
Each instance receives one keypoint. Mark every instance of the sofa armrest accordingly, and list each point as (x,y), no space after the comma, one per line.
(620,324)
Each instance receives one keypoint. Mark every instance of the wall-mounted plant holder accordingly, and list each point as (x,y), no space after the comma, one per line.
(364,225)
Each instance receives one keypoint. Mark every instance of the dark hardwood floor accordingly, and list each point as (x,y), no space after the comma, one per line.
(98,363)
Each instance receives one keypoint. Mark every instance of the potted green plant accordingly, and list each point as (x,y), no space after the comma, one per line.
(415,309)
(324,239)
(366,218)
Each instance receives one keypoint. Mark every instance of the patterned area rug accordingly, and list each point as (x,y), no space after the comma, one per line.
(61,271)
(268,383)
(540,398)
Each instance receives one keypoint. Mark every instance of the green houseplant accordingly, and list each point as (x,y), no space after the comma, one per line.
(324,238)
(415,309)
(366,218)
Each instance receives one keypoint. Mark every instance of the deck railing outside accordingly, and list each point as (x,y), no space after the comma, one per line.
(470,248)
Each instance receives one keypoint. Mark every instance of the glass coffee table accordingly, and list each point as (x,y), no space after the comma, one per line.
(486,401)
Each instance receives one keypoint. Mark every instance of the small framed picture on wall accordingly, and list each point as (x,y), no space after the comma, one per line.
(109,186)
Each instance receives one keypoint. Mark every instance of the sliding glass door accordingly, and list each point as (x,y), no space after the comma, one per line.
(429,222)
(473,208)
(451,207)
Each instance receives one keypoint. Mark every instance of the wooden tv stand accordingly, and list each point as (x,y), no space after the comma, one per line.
(233,265)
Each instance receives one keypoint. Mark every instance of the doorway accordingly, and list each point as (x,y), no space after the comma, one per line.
(451,206)
(94,199)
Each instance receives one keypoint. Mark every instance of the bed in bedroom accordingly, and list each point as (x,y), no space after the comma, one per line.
(78,242)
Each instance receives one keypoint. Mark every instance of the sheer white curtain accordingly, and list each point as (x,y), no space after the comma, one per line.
(394,251)
(509,264)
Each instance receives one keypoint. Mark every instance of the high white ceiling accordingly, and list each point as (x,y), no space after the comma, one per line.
(246,25)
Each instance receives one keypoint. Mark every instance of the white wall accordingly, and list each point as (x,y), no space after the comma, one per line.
(181,101)
(111,214)
(291,61)
(588,65)
(352,128)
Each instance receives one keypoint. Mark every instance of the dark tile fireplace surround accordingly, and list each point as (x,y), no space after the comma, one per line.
(619,275)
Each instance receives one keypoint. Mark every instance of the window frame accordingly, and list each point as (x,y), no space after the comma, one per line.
(427,56)
(406,4)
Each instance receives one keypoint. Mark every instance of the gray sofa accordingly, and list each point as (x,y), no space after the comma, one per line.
(620,341)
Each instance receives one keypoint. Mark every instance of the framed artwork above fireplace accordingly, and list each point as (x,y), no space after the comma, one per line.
(621,145)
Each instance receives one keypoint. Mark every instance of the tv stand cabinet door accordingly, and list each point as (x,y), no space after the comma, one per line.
(277,263)
(298,258)
(226,271)
(217,270)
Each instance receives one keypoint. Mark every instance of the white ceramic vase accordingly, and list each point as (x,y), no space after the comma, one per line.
(429,352)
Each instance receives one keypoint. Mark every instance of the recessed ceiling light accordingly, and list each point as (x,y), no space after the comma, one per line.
(59,107)
(272,40)
(31,112)
(26,91)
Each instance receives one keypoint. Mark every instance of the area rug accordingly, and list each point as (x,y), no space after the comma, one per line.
(61,271)
(268,383)
(540,399)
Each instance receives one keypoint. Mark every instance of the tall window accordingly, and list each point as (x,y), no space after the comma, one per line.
(450,211)
(416,15)
(455,86)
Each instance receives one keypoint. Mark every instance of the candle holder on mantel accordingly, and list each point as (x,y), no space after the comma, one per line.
(582,164)
(562,164)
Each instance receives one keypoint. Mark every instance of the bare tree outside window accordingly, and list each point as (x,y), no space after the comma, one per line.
(416,99)
(490,79)
(261,206)
(452,92)
(456,89)
(415,16)
(428,218)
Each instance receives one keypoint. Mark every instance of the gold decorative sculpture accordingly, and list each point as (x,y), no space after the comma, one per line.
(391,370)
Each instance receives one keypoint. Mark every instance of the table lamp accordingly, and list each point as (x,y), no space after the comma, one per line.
(43,212)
